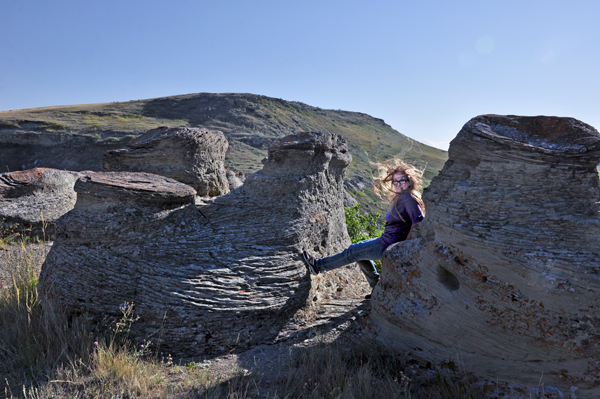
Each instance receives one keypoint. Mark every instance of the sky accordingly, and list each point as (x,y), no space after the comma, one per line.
(424,67)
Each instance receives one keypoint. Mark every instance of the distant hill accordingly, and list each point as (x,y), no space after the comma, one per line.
(250,123)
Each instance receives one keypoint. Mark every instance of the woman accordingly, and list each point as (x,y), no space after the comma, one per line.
(402,183)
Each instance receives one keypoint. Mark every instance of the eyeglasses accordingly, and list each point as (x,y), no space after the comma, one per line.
(401,181)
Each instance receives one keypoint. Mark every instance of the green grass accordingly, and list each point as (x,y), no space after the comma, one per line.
(117,118)
(53,126)
(9,124)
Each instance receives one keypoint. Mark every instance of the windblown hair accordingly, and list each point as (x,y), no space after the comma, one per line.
(382,185)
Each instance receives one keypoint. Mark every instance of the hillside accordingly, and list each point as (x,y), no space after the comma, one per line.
(250,123)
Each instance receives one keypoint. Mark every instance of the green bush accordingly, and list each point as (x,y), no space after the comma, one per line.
(362,226)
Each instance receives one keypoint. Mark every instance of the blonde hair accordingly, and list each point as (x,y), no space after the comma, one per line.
(382,184)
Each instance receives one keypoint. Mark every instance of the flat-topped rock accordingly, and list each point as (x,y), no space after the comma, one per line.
(190,155)
(32,200)
(105,187)
(549,134)
(222,276)
(504,272)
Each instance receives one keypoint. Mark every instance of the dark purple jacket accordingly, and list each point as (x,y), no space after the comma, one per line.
(400,219)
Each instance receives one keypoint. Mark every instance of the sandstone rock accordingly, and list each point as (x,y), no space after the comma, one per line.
(349,200)
(23,149)
(190,155)
(222,276)
(235,179)
(32,200)
(505,277)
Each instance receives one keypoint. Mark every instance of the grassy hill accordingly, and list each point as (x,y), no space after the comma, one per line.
(250,123)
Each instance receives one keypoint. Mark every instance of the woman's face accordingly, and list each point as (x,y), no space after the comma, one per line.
(400,182)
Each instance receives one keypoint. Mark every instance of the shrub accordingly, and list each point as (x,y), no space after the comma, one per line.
(362,226)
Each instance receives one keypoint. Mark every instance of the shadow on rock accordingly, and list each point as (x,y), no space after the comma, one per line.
(209,279)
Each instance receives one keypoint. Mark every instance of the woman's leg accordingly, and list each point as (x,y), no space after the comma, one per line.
(370,272)
(364,250)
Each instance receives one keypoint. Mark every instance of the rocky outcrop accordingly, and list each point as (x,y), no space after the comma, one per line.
(24,150)
(190,155)
(235,179)
(225,275)
(505,276)
(31,201)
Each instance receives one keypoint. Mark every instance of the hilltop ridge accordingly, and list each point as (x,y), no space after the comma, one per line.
(250,122)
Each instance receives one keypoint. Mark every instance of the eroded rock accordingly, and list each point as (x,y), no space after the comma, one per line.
(225,275)
(505,278)
(235,179)
(32,200)
(190,155)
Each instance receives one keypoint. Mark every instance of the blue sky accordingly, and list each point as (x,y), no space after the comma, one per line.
(425,67)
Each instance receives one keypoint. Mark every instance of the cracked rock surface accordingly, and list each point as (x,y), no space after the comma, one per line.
(504,275)
(221,276)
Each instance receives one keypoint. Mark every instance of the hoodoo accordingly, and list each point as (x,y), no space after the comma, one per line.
(208,279)
(192,156)
(504,274)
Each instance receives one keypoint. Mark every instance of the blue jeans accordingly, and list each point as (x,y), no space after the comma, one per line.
(363,253)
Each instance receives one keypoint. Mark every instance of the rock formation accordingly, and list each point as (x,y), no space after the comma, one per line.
(209,279)
(505,276)
(25,149)
(32,200)
(235,179)
(190,155)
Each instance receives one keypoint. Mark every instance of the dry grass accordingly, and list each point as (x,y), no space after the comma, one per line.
(45,354)
(356,369)
(352,370)
(35,338)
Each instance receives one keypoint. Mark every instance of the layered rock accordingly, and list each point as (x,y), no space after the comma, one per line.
(221,276)
(505,276)
(25,149)
(190,155)
(31,201)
